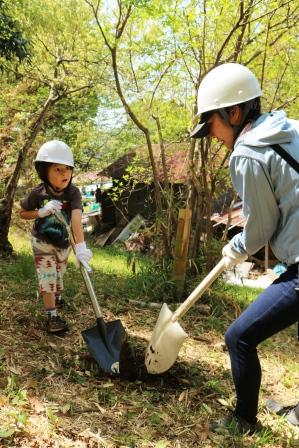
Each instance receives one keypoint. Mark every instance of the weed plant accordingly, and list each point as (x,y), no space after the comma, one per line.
(59,397)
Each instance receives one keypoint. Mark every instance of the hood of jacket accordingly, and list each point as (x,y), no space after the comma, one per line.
(270,128)
(268,186)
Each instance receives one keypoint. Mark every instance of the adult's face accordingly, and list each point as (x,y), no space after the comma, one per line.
(221,130)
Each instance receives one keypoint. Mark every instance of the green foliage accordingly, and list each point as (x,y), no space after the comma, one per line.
(15,395)
(52,416)
(63,57)
(137,3)
(164,51)
(12,416)
(23,269)
(151,281)
(66,386)
(73,121)
(12,43)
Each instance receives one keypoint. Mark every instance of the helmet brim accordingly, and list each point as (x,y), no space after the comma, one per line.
(201,130)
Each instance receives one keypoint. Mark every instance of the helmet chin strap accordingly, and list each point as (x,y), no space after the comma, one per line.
(237,128)
(57,190)
(60,190)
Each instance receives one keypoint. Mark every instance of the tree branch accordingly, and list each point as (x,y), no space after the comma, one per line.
(121,26)
(131,65)
(279,83)
(160,80)
(95,11)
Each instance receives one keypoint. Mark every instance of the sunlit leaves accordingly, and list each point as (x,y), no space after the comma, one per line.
(12,42)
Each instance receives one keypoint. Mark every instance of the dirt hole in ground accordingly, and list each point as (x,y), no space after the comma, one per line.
(132,368)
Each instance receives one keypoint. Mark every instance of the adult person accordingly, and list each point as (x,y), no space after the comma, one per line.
(98,195)
(230,110)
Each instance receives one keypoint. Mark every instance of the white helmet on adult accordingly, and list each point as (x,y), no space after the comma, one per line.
(224,86)
(227,85)
(55,151)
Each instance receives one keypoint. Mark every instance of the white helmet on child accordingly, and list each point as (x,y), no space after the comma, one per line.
(55,151)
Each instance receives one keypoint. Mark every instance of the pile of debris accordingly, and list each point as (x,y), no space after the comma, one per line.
(247,274)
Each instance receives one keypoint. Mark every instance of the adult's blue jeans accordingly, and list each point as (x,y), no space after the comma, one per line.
(275,309)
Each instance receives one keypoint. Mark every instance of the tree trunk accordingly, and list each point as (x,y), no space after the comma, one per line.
(168,190)
(146,133)
(163,157)
(6,203)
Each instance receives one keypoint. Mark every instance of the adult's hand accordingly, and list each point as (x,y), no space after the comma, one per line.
(232,257)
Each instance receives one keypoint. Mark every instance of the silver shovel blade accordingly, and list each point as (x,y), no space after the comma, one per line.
(165,343)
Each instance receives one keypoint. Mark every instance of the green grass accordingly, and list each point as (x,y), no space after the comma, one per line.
(167,411)
(112,273)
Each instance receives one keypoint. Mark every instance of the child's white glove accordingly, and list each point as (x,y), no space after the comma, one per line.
(50,208)
(83,255)
(232,257)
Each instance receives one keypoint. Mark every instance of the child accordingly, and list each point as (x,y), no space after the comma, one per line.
(54,164)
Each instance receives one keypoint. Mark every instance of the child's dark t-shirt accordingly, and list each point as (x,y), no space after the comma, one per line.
(50,229)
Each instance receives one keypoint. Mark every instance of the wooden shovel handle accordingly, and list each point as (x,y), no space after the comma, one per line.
(201,288)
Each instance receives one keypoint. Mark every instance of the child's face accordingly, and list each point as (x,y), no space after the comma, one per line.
(59,175)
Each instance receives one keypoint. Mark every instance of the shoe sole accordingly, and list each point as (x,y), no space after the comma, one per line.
(59,330)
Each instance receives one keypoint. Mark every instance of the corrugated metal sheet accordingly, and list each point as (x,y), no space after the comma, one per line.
(176,155)
(236,219)
(89,177)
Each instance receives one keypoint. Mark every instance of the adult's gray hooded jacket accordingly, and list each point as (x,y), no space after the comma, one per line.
(268,187)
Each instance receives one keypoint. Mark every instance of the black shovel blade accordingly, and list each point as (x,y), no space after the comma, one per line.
(104,342)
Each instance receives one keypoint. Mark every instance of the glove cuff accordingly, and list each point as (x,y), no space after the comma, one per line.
(41,212)
(80,246)
(232,256)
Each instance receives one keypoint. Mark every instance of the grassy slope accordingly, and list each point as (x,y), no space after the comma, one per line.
(52,394)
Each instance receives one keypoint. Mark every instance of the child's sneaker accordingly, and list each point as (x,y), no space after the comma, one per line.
(59,302)
(55,324)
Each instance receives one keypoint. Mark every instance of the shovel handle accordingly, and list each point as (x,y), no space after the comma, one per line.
(201,288)
(85,275)
(92,295)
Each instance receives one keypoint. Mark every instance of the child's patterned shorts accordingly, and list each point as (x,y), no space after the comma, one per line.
(51,264)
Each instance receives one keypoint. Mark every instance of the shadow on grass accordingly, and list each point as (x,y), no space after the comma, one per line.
(196,375)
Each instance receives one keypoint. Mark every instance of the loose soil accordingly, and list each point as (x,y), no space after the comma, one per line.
(71,403)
